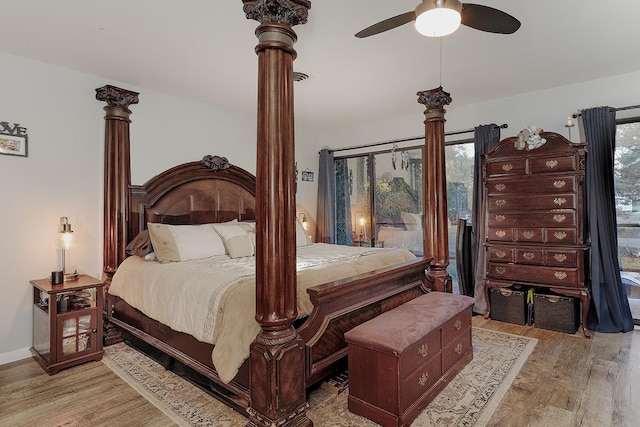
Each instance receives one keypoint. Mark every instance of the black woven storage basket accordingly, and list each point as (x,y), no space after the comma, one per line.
(556,312)
(508,305)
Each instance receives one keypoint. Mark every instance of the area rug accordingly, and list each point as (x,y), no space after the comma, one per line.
(469,400)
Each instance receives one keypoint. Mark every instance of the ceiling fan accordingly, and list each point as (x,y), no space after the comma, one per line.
(437,18)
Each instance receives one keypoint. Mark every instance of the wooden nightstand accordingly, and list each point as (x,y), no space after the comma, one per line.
(67,322)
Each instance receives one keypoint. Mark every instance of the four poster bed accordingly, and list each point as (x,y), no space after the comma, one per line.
(338,287)
(300,331)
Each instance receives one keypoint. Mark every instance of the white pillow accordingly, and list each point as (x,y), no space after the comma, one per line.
(411,221)
(302,239)
(238,239)
(184,242)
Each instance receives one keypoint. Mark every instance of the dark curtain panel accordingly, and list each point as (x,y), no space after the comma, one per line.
(485,137)
(610,311)
(343,203)
(326,222)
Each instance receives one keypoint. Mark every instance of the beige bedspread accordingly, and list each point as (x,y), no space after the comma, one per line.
(213,299)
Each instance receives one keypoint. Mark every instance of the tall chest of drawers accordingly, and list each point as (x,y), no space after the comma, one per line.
(534,226)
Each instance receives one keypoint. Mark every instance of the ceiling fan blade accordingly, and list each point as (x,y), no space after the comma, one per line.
(485,18)
(387,24)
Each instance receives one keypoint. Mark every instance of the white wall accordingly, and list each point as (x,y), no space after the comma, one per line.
(63,173)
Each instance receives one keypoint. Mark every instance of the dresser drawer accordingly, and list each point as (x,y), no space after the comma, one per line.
(529,235)
(553,164)
(500,234)
(563,258)
(530,256)
(455,327)
(507,167)
(500,253)
(531,185)
(533,274)
(419,352)
(560,235)
(529,202)
(559,218)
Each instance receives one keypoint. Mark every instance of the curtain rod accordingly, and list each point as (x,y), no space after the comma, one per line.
(630,107)
(413,138)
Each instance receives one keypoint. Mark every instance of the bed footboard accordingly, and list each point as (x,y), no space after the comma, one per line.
(341,305)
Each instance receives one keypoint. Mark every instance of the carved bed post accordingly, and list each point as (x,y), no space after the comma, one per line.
(436,225)
(277,358)
(117,175)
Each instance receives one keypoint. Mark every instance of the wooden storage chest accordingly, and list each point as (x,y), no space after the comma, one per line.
(400,360)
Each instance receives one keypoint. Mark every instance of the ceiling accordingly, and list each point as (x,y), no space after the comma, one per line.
(204,50)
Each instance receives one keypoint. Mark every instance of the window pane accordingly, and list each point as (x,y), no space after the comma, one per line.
(627,194)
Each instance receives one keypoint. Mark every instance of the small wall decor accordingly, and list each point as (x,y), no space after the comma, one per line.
(13,139)
(307,175)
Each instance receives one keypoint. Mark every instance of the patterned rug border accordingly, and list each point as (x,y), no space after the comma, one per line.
(490,407)
(160,391)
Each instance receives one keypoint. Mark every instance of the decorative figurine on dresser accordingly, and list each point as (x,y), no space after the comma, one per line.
(535,228)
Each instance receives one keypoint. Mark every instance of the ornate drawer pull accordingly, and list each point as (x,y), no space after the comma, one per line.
(458,324)
(500,187)
(501,233)
(559,184)
(528,234)
(458,349)
(528,256)
(500,218)
(501,254)
(559,218)
(551,164)
(560,275)
(560,235)
(560,201)
(501,270)
(507,167)
(501,202)
(423,350)
(560,257)
(423,379)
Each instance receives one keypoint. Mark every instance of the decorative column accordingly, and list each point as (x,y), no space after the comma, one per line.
(117,175)
(436,224)
(277,358)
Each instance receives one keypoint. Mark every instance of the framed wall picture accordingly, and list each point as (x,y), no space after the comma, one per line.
(13,145)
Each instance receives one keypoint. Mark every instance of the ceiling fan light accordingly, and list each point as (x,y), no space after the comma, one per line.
(438,18)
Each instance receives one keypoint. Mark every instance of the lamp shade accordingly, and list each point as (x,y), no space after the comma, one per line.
(65,238)
(438,18)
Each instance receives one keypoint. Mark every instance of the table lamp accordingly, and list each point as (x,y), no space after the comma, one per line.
(65,241)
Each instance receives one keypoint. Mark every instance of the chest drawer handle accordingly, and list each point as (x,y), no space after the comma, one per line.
(501,254)
(500,187)
(560,275)
(500,218)
(560,257)
(551,164)
(528,234)
(560,235)
(501,202)
(507,167)
(458,349)
(501,233)
(560,201)
(458,324)
(559,184)
(528,256)
(423,350)
(423,379)
(501,270)
(559,218)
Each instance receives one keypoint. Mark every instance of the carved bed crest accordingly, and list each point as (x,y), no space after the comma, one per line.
(215,163)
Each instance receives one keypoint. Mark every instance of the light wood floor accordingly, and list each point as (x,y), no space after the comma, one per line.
(567,381)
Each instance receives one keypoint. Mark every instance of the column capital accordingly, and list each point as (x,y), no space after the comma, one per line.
(434,98)
(116,97)
(287,12)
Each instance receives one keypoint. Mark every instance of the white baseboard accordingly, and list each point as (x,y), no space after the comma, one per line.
(12,356)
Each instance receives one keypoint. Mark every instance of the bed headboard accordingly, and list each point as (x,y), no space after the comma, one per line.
(201,192)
